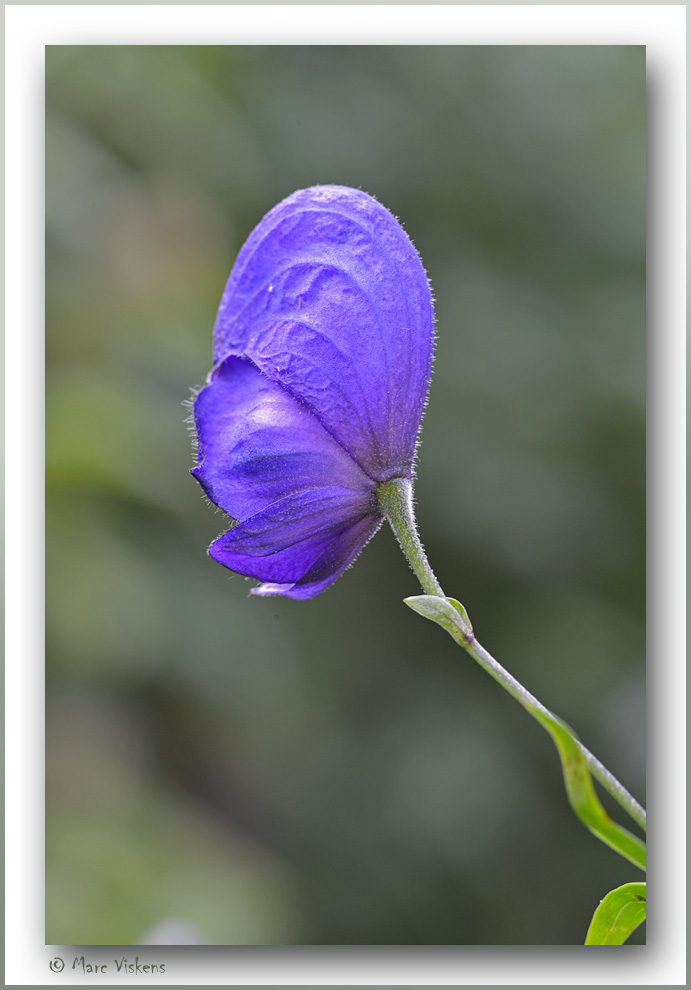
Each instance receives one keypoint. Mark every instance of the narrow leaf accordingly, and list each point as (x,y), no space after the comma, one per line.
(582,797)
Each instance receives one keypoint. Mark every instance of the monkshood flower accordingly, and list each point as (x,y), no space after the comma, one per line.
(306,437)
(322,357)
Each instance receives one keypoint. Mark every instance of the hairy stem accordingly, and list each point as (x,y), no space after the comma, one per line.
(395,499)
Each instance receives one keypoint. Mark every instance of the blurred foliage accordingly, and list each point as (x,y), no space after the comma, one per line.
(334,771)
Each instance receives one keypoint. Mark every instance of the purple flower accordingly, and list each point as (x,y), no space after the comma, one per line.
(322,357)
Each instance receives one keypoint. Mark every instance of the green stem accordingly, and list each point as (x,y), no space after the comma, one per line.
(396,503)
(532,705)
(395,499)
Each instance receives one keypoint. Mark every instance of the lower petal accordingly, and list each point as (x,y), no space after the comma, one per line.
(300,544)
(337,557)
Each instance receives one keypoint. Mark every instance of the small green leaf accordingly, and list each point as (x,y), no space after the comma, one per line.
(464,614)
(446,612)
(619,914)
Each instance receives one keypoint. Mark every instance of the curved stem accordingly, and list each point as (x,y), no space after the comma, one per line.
(395,499)
(396,502)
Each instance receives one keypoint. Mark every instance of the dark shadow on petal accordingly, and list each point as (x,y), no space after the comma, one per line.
(293,536)
(338,555)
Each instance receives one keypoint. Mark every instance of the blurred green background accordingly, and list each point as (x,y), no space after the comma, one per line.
(338,771)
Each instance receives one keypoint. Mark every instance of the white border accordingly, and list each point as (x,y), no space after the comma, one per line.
(28,30)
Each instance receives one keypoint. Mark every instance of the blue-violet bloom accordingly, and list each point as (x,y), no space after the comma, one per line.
(322,357)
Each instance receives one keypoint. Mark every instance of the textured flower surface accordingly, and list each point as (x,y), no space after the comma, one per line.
(322,357)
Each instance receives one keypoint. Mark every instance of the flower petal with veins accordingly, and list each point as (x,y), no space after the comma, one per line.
(322,357)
